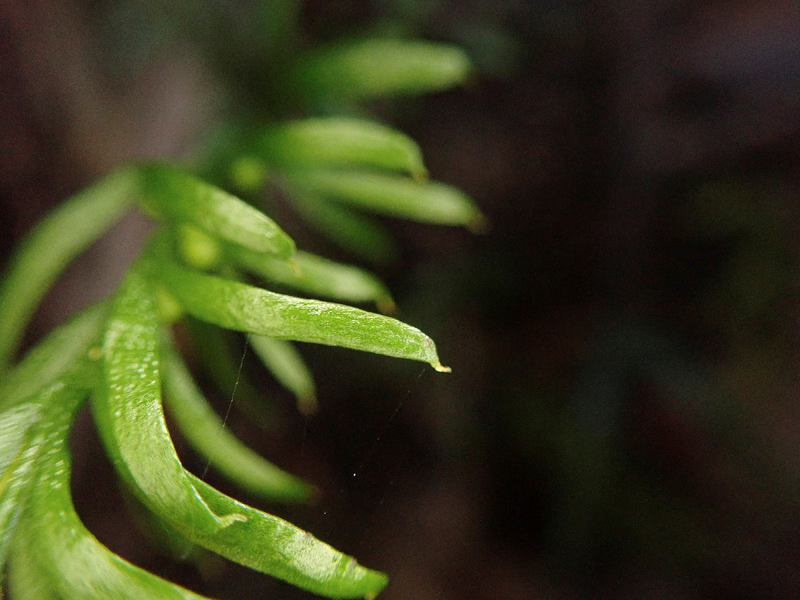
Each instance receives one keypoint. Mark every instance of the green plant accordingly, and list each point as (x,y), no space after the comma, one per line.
(120,352)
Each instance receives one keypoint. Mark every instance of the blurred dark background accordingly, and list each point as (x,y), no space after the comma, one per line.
(623,417)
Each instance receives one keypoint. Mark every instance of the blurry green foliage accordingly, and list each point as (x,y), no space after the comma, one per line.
(120,352)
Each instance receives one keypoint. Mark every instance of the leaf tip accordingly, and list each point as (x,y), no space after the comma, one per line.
(441,368)
(420,174)
(479,224)
(312,495)
(307,405)
(386,305)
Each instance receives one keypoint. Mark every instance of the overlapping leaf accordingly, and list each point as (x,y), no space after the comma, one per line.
(127,408)
(116,351)
(242,307)
(207,434)
(54,555)
(395,196)
(317,276)
(355,233)
(339,141)
(170,193)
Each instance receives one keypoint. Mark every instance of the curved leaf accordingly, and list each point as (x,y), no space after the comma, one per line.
(317,276)
(20,446)
(53,544)
(128,413)
(52,244)
(53,356)
(127,409)
(206,433)
(26,440)
(355,233)
(39,383)
(287,366)
(431,202)
(184,198)
(243,307)
(271,545)
(340,141)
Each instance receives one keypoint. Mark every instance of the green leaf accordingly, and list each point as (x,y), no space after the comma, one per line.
(213,349)
(19,448)
(178,196)
(55,548)
(53,356)
(340,141)
(25,579)
(207,434)
(380,67)
(163,538)
(317,276)
(15,423)
(127,410)
(246,308)
(285,363)
(390,195)
(355,233)
(38,383)
(266,543)
(52,244)
(25,441)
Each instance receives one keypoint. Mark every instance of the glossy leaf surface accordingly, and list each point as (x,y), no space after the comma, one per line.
(55,545)
(30,391)
(246,308)
(272,545)
(127,410)
(28,438)
(20,446)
